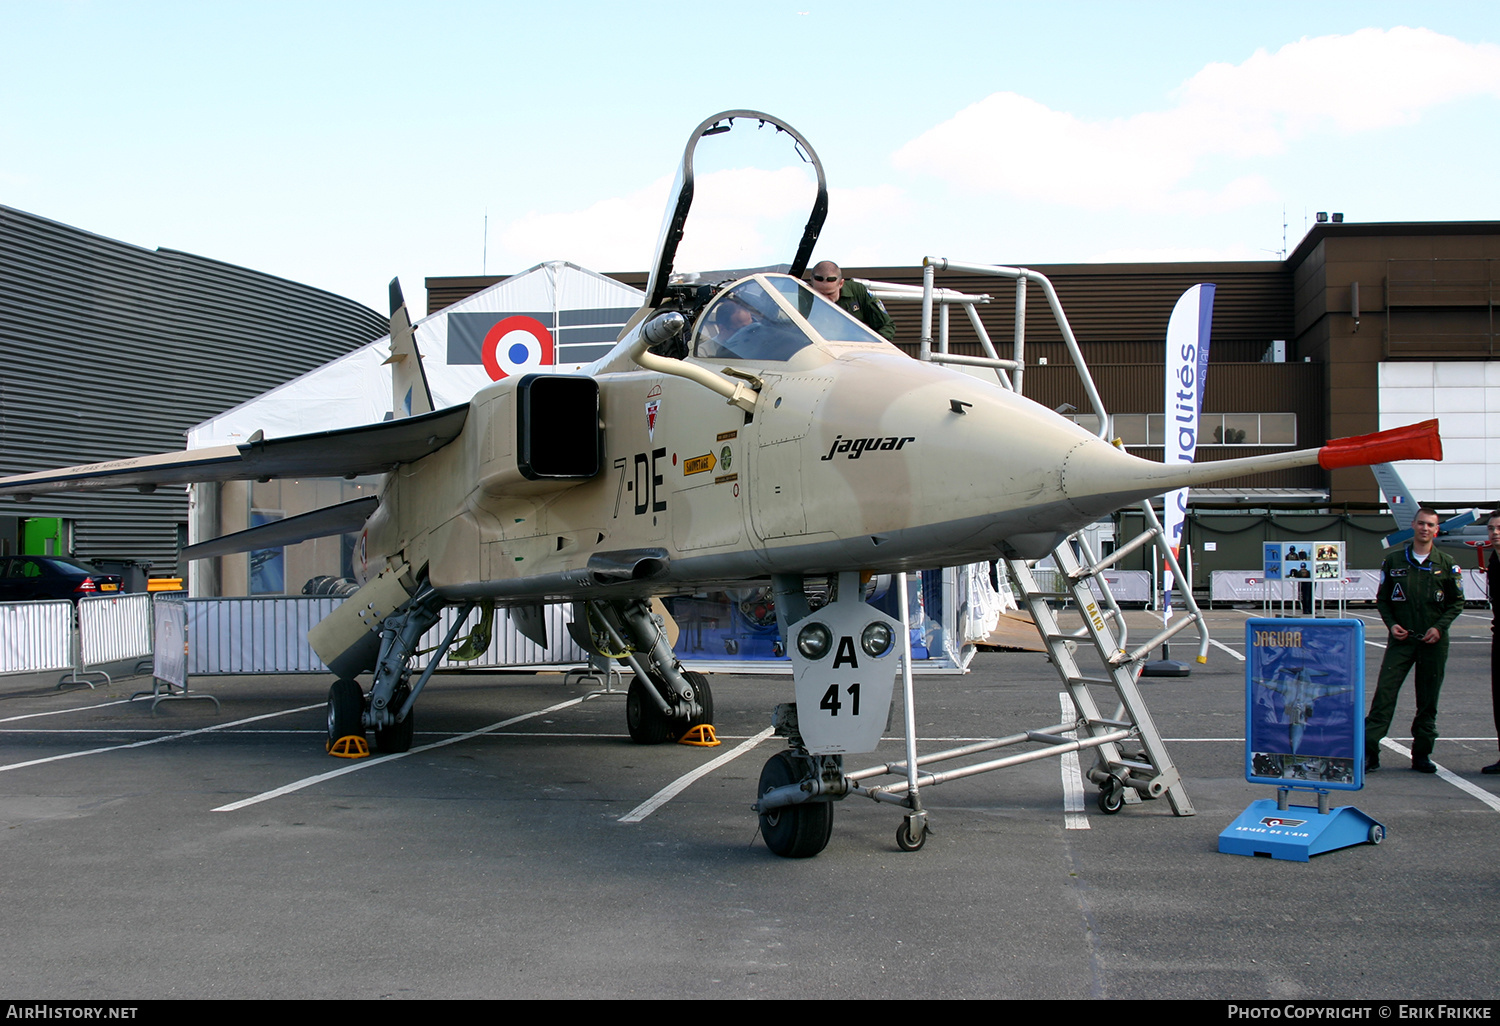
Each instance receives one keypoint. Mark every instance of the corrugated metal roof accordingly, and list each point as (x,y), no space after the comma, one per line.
(115,350)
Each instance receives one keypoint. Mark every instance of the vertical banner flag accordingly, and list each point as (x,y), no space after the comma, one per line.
(1187,365)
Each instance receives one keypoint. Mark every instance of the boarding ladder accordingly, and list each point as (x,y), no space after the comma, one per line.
(1131,761)
(1137,764)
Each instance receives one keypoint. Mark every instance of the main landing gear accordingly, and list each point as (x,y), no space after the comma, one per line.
(665,701)
(387,709)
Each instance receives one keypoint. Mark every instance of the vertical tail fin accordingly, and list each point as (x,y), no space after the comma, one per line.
(1403,506)
(409,392)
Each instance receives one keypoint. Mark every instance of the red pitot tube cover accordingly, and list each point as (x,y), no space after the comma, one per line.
(1414,442)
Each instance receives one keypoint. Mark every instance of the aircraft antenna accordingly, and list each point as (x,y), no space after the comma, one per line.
(484,260)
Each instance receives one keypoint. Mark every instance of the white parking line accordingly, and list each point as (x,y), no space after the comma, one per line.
(1072,774)
(681,784)
(1370,620)
(1448,775)
(298,785)
(59,712)
(1226,648)
(156,740)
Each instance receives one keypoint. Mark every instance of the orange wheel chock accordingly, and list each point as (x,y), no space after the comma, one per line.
(701,736)
(350,746)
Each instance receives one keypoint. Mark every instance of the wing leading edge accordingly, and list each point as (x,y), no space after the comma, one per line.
(320,523)
(369,449)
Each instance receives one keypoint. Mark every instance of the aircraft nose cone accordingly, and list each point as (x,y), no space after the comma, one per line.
(917,443)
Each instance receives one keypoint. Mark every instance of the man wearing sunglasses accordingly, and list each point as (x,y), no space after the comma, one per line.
(828,281)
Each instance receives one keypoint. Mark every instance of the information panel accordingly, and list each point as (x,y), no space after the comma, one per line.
(1302,560)
(1304,702)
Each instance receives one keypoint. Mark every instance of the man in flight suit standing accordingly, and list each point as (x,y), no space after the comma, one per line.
(1492,565)
(1421,593)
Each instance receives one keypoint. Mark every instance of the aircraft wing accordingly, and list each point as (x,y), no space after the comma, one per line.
(1326,690)
(369,449)
(320,523)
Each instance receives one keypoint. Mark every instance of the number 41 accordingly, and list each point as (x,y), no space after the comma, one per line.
(833,705)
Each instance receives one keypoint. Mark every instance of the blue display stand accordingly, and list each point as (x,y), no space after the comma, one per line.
(1297,832)
(1304,732)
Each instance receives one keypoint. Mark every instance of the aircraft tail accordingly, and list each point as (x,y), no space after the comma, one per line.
(1404,508)
(410,395)
(1403,505)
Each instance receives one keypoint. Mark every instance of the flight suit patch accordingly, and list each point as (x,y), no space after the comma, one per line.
(1397,595)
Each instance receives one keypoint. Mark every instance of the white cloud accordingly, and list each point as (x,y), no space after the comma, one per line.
(1371,79)
(746,217)
(611,234)
(865,225)
(741,217)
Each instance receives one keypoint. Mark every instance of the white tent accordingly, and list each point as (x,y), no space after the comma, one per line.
(555,314)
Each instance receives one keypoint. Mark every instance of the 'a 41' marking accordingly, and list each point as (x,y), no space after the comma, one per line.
(833,705)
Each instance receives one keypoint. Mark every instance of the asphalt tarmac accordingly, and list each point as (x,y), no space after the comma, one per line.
(525,848)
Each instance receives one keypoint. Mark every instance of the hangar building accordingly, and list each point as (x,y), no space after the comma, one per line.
(113,350)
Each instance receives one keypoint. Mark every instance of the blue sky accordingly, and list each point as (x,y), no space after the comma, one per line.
(340,144)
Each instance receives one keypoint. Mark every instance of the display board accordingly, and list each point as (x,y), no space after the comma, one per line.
(1304,702)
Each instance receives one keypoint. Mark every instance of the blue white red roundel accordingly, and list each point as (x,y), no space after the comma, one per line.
(516,345)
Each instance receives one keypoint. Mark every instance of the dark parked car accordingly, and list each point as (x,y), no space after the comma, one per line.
(23,578)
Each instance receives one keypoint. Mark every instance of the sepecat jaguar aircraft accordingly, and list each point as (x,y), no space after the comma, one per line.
(742,428)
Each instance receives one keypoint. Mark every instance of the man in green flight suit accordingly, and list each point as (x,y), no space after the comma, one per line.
(828,281)
(1421,593)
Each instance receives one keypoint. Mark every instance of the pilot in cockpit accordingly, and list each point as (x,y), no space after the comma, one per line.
(728,319)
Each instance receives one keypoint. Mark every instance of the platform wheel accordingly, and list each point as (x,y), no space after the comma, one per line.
(1112,796)
(907,840)
(793,831)
(1377,833)
(346,706)
(646,723)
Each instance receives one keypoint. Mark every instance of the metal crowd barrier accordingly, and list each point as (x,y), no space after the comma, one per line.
(112,628)
(254,635)
(508,647)
(268,634)
(261,634)
(1249,586)
(36,636)
(1126,585)
(50,635)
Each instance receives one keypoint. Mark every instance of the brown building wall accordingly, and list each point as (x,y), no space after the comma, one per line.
(1425,292)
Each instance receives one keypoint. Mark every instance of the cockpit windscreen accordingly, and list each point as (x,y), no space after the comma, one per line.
(827,319)
(746,324)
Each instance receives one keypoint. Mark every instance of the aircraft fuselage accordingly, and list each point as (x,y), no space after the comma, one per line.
(856,457)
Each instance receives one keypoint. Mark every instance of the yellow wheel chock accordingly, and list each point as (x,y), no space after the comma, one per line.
(350,746)
(701,736)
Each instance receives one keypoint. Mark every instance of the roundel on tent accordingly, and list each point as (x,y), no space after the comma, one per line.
(516,345)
